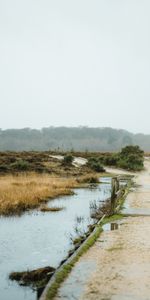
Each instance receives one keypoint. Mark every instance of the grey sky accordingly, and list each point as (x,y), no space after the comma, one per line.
(75,62)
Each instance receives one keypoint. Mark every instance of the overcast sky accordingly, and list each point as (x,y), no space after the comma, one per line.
(75,62)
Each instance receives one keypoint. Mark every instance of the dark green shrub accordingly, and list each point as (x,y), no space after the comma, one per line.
(68,159)
(135,150)
(95,165)
(131,158)
(4,168)
(111,160)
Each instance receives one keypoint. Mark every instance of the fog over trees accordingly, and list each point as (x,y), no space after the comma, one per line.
(70,138)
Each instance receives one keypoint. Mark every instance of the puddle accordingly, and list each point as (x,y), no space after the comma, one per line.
(105,179)
(74,286)
(126,297)
(127,210)
(37,239)
(146,186)
(136,211)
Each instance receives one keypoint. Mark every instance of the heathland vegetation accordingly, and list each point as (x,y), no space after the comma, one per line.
(29,179)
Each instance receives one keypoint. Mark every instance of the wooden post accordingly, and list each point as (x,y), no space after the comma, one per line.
(117,184)
(114,190)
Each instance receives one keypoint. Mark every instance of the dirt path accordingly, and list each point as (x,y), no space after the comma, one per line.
(117,267)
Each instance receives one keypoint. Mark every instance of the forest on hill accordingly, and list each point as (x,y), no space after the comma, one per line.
(70,138)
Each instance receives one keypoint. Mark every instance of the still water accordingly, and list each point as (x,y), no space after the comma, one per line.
(39,239)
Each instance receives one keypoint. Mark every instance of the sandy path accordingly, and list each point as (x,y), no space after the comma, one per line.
(77,161)
(120,258)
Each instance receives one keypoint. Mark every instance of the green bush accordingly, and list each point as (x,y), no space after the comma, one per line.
(95,164)
(68,159)
(21,165)
(111,160)
(131,158)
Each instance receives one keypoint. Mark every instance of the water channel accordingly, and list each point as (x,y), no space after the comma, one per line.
(38,239)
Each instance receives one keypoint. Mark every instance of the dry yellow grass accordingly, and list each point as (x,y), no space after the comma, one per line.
(89,178)
(27,191)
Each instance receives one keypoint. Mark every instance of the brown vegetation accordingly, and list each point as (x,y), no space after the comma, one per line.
(29,179)
(89,178)
(26,191)
(33,277)
(39,162)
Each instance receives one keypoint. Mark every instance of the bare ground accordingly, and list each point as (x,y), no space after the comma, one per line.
(121,258)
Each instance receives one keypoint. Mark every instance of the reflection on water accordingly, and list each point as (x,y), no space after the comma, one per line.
(39,239)
(114,226)
(111,226)
(39,293)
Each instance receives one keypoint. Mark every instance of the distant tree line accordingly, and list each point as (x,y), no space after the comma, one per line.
(70,138)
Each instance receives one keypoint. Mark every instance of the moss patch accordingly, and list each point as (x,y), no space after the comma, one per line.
(119,247)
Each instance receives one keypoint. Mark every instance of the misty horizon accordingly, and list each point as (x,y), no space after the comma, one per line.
(79,126)
(72,63)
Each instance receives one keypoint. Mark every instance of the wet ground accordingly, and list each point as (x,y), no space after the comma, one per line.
(120,257)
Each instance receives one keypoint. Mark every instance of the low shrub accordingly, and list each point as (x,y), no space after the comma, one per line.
(95,165)
(131,158)
(4,168)
(68,159)
(21,165)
